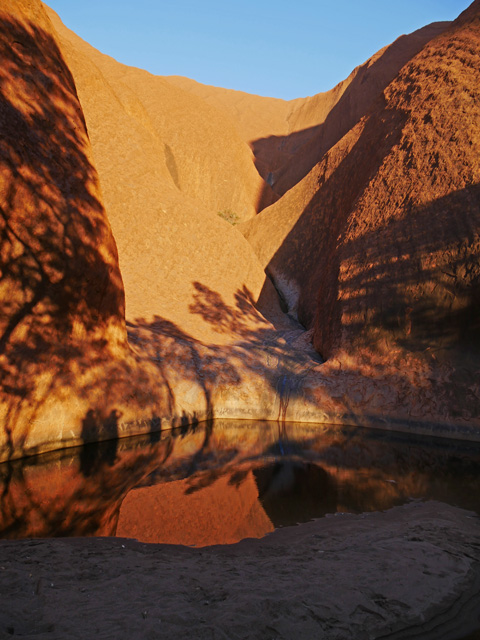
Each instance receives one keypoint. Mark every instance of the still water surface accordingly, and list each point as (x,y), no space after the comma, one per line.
(224,481)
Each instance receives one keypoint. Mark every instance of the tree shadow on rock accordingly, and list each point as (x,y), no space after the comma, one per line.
(283,161)
(257,351)
(62,300)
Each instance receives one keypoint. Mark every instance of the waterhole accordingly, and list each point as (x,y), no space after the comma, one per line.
(223,481)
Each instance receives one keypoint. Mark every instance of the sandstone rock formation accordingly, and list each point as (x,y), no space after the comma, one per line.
(130,305)
(62,298)
(164,184)
(289,137)
(377,249)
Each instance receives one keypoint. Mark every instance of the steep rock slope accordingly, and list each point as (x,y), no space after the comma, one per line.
(148,138)
(199,147)
(290,137)
(377,249)
(62,330)
(317,123)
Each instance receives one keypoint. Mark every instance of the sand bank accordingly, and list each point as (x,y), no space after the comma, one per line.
(410,572)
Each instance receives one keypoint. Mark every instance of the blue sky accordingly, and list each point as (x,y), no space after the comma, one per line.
(283,49)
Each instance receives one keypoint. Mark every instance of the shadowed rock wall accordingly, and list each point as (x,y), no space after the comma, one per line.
(377,249)
(62,300)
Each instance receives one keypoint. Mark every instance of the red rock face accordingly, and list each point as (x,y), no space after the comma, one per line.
(404,263)
(61,289)
(381,252)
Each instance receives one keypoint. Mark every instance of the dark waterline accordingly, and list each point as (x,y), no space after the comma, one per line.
(227,480)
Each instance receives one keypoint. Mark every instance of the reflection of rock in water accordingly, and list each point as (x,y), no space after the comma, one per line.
(218,512)
(293,492)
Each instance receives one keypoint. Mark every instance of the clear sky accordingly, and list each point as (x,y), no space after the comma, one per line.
(285,49)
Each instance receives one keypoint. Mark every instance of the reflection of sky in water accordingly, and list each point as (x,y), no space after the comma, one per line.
(228,480)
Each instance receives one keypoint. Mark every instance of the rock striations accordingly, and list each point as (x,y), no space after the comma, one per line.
(289,138)
(377,249)
(130,301)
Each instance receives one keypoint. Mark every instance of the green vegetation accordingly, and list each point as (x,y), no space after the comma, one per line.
(230,216)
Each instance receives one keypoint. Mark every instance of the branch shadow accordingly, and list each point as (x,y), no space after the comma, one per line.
(208,371)
(323,472)
(62,299)
(425,267)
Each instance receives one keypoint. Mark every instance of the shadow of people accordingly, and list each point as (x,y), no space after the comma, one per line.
(95,453)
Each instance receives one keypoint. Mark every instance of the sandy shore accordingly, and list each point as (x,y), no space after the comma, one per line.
(410,572)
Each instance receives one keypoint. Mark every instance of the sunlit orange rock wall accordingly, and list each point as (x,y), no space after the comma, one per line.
(290,137)
(168,164)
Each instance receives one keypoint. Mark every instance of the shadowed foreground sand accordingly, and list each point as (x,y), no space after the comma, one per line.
(410,572)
